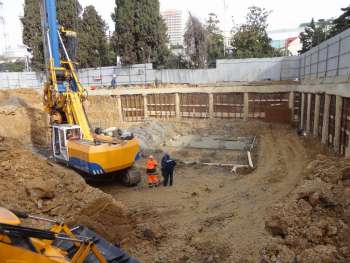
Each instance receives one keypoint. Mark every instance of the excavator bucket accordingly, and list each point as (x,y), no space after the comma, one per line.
(111,253)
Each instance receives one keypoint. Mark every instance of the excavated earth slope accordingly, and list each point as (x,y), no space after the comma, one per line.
(293,208)
(30,182)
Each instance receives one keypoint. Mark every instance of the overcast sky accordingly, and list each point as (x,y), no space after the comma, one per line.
(285,14)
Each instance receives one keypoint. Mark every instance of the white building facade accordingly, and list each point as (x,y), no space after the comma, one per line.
(286,39)
(174,22)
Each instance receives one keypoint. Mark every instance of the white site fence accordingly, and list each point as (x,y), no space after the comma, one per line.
(228,70)
(329,59)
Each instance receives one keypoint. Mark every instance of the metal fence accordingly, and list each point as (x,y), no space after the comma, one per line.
(331,58)
(12,80)
(229,70)
(255,69)
(134,74)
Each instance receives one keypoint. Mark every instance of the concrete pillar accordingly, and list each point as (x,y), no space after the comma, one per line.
(327,100)
(145,105)
(211,105)
(302,111)
(317,114)
(177,105)
(291,100)
(119,108)
(291,105)
(338,112)
(246,106)
(308,113)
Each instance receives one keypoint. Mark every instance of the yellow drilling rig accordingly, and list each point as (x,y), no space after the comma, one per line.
(73,141)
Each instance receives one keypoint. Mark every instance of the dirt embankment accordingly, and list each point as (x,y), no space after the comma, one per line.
(22,117)
(31,182)
(314,225)
(210,215)
(102,111)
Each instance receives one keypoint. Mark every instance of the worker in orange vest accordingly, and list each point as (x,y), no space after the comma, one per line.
(151,171)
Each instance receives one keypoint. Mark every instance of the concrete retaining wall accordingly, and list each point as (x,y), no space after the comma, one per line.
(328,60)
(322,111)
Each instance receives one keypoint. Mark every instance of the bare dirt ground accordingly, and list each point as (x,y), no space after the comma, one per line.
(210,215)
(294,207)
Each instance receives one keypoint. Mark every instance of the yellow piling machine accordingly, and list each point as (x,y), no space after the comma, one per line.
(73,141)
(59,244)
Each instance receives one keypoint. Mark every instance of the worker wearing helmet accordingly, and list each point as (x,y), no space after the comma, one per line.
(151,171)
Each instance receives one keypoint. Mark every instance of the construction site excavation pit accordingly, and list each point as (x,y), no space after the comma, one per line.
(293,204)
(233,153)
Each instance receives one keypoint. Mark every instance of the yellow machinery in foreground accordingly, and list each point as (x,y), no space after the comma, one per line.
(73,141)
(20,244)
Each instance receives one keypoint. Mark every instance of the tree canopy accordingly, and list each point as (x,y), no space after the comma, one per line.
(342,22)
(93,47)
(32,33)
(140,32)
(215,40)
(195,40)
(316,32)
(250,39)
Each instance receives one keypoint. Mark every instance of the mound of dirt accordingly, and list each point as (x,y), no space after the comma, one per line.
(22,117)
(33,184)
(315,225)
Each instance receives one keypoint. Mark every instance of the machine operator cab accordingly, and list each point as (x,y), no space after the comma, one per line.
(61,134)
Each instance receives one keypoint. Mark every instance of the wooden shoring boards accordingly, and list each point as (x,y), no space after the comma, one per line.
(345,126)
(305,111)
(259,103)
(331,123)
(228,105)
(194,105)
(133,108)
(320,120)
(297,107)
(161,106)
(312,112)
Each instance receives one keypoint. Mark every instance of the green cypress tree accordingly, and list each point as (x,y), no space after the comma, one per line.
(195,40)
(342,22)
(32,33)
(314,33)
(67,15)
(215,40)
(306,37)
(123,38)
(251,39)
(93,47)
(140,32)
